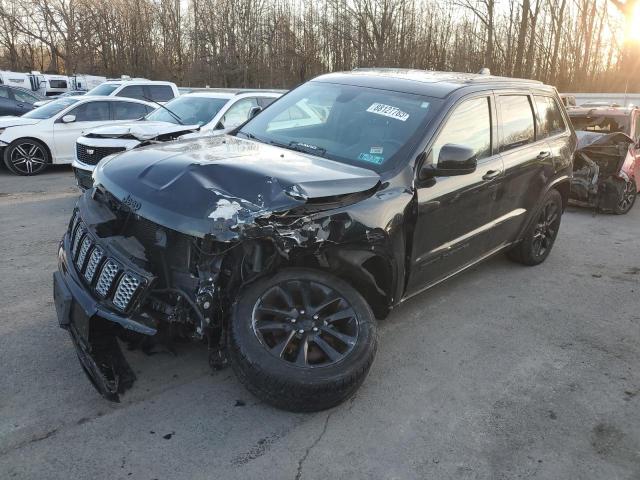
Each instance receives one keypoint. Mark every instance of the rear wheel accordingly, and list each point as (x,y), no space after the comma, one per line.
(302,340)
(627,198)
(26,157)
(541,234)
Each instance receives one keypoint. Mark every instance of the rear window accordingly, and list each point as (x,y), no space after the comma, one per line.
(601,123)
(550,120)
(160,93)
(516,121)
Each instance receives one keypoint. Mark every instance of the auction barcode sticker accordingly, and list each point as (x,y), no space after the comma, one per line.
(388,111)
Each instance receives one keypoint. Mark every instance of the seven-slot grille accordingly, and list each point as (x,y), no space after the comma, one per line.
(92,155)
(110,280)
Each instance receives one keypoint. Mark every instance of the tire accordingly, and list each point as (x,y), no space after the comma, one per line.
(266,344)
(540,236)
(26,156)
(627,199)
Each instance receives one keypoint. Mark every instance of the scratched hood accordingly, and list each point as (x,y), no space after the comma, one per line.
(140,130)
(216,185)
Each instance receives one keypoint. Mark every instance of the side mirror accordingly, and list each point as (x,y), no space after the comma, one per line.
(68,119)
(453,160)
(254,111)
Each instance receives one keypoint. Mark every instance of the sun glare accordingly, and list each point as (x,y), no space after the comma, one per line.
(633,24)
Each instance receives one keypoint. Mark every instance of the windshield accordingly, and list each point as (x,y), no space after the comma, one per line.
(601,123)
(367,127)
(191,110)
(103,89)
(50,109)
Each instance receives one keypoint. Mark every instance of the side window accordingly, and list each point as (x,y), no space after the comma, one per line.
(21,96)
(132,91)
(160,93)
(550,121)
(238,112)
(128,110)
(4,92)
(516,121)
(266,101)
(91,112)
(470,126)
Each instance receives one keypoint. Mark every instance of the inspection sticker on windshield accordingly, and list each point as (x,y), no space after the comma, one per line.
(371,158)
(388,111)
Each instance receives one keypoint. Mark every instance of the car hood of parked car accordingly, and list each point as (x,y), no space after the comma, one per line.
(8,121)
(221,184)
(141,130)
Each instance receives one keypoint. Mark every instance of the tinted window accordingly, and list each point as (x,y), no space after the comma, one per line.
(4,92)
(550,119)
(160,93)
(50,109)
(58,83)
(470,126)
(132,91)
(128,110)
(238,112)
(21,96)
(516,121)
(103,89)
(266,101)
(91,112)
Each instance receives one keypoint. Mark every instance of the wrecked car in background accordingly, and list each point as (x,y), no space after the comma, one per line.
(214,110)
(280,243)
(607,158)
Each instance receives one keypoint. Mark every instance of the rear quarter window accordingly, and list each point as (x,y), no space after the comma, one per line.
(516,123)
(550,120)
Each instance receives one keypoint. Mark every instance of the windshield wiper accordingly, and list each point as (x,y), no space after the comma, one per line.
(301,147)
(174,115)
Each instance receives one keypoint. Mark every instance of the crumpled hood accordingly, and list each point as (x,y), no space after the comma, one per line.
(9,121)
(214,185)
(141,130)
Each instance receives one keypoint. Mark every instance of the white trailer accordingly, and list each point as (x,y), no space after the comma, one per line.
(85,82)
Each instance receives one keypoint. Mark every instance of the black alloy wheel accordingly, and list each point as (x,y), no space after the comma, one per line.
(302,339)
(305,323)
(26,157)
(627,198)
(541,234)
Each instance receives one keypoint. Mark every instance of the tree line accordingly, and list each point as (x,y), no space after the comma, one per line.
(574,44)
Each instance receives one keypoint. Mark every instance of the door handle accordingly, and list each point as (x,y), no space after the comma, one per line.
(543,155)
(491,174)
(20,105)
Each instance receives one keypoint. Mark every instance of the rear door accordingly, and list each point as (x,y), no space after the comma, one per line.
(7,103)
(525,158)
(454,221)
(121,111)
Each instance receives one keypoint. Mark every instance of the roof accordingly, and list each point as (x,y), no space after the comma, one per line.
(111,98)
(423,82)
(221,93)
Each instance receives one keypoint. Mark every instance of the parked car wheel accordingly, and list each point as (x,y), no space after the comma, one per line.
(541,234)
(627,199)
(26,156)
(302,340)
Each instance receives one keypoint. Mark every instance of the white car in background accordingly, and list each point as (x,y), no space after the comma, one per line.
(48,133)
(192,114)
(138,88)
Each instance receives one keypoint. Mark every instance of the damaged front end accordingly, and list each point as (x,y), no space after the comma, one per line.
(599,180)
(159,249)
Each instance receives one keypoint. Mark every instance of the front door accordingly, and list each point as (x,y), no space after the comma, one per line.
(88,115)
(454,219)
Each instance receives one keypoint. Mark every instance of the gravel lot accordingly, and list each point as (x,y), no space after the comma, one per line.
(503,372)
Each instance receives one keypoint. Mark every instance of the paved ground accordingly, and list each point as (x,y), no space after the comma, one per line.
(504,372)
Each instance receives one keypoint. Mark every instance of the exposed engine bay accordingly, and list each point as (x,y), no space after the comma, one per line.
(598,180)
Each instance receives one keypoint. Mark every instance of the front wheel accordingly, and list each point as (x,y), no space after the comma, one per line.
(302,340)
(627,198)
(26,156)
(541,234)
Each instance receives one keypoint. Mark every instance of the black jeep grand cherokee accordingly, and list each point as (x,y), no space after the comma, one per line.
(281,243)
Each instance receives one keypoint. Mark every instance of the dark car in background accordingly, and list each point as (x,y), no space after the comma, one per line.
(280,243)
(16,101)
(608,159)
